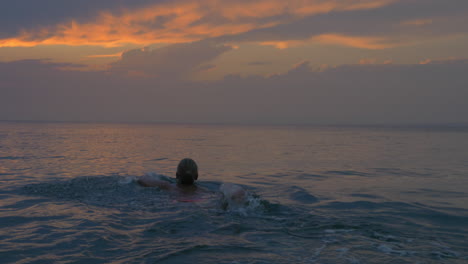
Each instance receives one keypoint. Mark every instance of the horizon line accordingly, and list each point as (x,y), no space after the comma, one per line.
(317,124)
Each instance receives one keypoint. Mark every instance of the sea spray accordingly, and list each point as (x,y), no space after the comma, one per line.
(236,199)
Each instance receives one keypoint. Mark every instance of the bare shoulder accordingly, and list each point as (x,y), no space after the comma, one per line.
(149,181)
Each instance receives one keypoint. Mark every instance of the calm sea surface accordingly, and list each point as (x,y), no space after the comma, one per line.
(316,194)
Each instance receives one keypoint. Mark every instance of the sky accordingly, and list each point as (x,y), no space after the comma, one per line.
(235,62)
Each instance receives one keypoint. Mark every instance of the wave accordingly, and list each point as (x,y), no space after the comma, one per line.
(124,193)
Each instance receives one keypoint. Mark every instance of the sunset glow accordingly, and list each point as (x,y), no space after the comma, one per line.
(145,54)
(182,21)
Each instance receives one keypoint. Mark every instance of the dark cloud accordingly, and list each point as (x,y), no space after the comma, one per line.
(206,67)
(449,17)
(16,15)
(174,61)
(431,93)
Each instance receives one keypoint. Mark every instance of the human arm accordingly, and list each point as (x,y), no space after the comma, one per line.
(151,181)
(233,192)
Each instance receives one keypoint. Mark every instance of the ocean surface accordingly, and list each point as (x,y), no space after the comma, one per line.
(316,194)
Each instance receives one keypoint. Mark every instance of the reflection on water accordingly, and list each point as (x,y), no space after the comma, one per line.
(315,194)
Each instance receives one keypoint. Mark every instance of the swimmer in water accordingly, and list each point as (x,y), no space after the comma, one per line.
(186,175)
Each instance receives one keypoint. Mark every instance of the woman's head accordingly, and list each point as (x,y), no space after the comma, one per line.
(187,171)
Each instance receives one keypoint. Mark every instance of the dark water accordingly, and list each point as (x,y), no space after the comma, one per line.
(316,194)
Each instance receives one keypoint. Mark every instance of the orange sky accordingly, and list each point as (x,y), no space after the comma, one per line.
(181,21)
(249,26)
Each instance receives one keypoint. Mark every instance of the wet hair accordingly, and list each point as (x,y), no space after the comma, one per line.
(187,171)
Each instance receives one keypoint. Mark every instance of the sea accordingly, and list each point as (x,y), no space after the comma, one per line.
(314,194)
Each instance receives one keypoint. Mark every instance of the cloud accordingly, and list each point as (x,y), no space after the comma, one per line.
(371,43)
(175,22)
(118,55)
(173,61)
(395,24)
(417,22)
(349,94)
(357,42)
(32,14)
(373,93)
(368,61)
(259,63)
(363,24)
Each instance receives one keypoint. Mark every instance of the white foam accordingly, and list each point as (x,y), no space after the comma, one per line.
(237,199)
(158,176)
(127,180)
(233,192)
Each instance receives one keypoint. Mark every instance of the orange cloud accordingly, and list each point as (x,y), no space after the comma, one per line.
(367,61)
(372,43)
(119,54)
(182,21)
(417,22)
(17,42)
(426,61)
(372,61)
(283,44)
(443,60)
